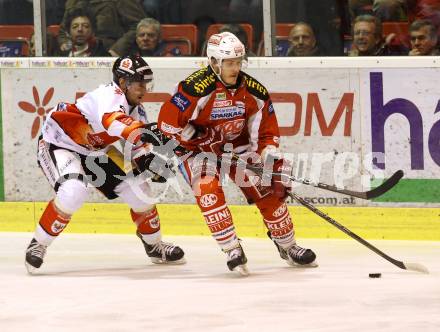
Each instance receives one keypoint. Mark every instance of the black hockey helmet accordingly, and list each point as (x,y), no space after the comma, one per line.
(133,68)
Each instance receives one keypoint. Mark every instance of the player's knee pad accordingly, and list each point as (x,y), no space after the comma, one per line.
(137,195)
(71,195)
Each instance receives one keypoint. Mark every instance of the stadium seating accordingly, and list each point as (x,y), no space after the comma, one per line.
(181,36)
(15,39)
(282,31)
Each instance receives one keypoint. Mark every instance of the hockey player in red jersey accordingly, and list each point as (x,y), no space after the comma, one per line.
(220,106)
(73,149)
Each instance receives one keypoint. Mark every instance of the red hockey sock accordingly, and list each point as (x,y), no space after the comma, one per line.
(146,222)
(53,221)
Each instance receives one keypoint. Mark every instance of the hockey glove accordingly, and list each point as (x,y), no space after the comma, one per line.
(160,166)
(210,140)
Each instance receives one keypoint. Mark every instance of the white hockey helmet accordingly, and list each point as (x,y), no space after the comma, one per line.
(224,45)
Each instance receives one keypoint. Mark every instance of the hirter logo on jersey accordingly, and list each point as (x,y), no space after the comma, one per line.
(181,102)
(38,108)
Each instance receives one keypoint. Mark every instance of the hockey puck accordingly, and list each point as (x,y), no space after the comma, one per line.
(375,275)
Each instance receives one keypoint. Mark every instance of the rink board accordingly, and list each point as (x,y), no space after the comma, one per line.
(177,219)
(333,113)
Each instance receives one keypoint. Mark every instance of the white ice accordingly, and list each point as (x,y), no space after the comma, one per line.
(105,283)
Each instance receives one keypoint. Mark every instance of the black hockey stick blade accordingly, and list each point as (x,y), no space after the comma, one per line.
(376,192)
(373,193)
(406,266)
(385,186)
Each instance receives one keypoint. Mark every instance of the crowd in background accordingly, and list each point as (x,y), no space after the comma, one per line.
(321,27)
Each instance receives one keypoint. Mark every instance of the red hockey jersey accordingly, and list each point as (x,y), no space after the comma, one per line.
(243,114)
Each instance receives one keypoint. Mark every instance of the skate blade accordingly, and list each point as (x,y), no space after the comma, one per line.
(156,260)
(242,270)
(305,266)
(30,269)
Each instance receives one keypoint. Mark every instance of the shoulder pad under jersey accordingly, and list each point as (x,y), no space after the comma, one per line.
(200,83)
(256,88)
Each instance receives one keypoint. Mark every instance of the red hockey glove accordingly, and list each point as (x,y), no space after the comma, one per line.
(208,141)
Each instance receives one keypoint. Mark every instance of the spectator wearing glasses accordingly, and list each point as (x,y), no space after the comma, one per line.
(367,38)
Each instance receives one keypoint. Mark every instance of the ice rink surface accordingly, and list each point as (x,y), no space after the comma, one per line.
(105,283)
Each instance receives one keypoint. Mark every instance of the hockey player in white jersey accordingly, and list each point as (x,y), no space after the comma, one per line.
(72,152)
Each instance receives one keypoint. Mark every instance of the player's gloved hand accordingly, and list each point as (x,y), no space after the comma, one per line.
(209,140)
(148,157)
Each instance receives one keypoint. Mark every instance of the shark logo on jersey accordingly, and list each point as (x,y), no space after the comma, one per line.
(219,113)
(181,102)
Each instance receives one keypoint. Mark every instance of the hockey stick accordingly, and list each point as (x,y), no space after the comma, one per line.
(373,193)
(406,266)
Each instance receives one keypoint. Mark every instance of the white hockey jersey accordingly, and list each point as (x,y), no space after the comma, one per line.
(98,119)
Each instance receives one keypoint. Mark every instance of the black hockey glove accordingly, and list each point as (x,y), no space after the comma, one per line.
(158,165)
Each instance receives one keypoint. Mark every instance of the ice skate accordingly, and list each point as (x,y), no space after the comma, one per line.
(35,253)
(237,260)
(296,255)
(163,252)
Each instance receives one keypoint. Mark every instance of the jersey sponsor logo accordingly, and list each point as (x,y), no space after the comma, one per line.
(141,111)
(280,211)
(222,103)
(218,216)
(220,96)
(169,129)
(181,102)
(226,112)
(231,129)
(283,226)
(208,200)
(57,227)
(270,109)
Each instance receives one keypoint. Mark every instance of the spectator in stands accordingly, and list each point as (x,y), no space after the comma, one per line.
(302,41)
(385,10)
(116,22)
(423,38)
(391,10)
(425,10)
(238,31)
(148,40)
(83,43)
(367,38)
